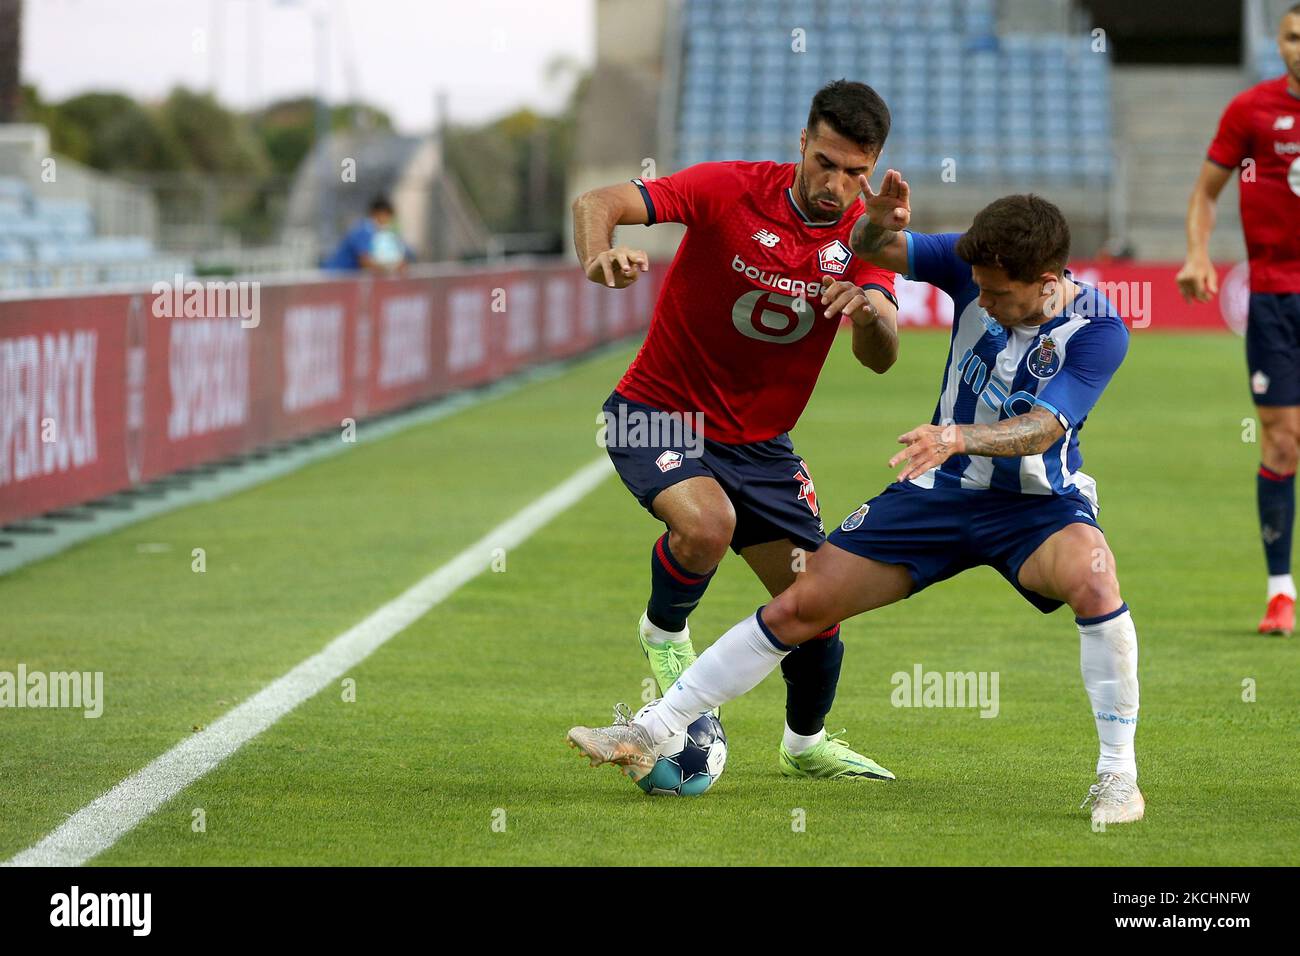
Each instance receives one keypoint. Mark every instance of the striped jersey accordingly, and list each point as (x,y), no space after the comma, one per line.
(993,373)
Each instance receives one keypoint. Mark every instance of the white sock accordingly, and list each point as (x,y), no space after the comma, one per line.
(1280,584)
(657,635)
(1108,661)
(736,663)
(797,743)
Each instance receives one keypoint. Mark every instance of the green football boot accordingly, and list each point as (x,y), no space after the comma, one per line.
(832,759)
(667,660)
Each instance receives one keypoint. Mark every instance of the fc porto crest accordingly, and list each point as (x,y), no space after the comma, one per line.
(833,258)
(1043,360)
(852,521)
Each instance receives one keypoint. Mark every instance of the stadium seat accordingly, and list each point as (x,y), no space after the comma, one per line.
(989,89)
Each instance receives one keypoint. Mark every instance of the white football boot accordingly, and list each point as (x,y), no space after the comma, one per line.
(1115,798)
(624,744)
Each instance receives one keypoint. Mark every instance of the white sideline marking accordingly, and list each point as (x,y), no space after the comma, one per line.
(102,822)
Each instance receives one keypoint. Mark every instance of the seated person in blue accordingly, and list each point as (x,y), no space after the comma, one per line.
(373,244)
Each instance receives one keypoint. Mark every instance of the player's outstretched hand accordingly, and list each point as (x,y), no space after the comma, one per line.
(847,298)
(619,267)
(890,208)
(1198,280)
(928,446)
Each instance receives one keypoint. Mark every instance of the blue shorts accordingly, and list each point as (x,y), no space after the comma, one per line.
(768,484)
(1273,348)
(937,533)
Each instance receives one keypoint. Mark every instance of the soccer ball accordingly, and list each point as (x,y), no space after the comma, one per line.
(688,763)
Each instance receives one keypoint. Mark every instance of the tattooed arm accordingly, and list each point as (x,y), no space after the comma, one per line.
(878,245)
(929,446)
(878,234)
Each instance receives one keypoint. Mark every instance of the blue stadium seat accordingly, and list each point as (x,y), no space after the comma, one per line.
(955,87)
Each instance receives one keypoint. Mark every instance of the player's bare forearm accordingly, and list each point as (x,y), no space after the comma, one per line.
(874,319)
(877,236)
(868,238)
(1201,208)
(594,219)
(1029,434)
(595,214)
(1197,279)
(875,333)
(1201,214)
(929,446)
(879,246)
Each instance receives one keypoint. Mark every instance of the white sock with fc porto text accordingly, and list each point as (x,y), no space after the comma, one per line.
(1108,660)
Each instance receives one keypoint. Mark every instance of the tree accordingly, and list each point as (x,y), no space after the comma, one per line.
(515,168)
(215,140)
(287,129)
(112,132)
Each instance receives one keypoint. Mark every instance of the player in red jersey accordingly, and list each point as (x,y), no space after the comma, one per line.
(697,426)
(1260,134)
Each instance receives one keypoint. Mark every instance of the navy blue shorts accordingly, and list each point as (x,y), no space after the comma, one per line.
(937,533)
(1273,348)
(768,484)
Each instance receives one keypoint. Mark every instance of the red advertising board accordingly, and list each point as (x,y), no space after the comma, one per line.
(101,392)
(1145,294)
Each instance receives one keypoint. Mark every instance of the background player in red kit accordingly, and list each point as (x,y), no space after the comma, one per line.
(1262,124)
(748,312)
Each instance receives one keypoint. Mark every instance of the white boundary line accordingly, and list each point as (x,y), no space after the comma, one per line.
(102,822)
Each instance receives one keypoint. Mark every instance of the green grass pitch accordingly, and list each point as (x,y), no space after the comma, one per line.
(459,722)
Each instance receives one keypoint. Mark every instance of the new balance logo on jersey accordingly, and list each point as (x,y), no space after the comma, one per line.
(768,239)
(1284,122)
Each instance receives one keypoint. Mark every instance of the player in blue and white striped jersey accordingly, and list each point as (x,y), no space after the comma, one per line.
(994,479)
(1000,368)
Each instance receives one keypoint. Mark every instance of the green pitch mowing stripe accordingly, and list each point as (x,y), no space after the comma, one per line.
(452,750)
(99,825)
(286,566)
(224,481)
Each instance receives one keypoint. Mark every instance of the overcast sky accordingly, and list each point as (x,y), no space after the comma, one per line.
(489,55)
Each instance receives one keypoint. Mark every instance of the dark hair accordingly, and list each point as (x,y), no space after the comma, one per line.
(854,110)
(381,204)
(1023,235)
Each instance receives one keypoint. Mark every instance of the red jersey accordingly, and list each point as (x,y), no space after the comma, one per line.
(1263,124)
(738,331)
